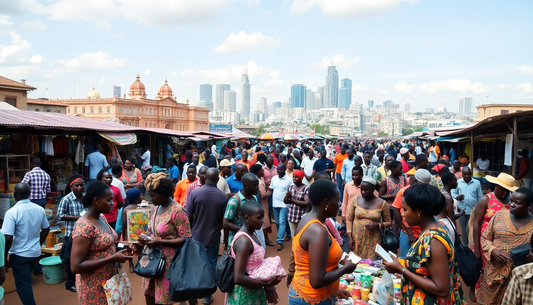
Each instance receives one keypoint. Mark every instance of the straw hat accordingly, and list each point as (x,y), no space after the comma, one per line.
(504,180)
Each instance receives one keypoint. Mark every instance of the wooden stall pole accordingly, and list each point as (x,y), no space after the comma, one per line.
(515,146)
(472,149)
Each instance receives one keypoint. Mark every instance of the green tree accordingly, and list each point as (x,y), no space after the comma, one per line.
(319,129)
(382,134)
(259,131)
(418,129)
(408,131)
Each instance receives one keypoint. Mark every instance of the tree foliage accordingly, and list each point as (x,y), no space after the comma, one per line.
(259,131)
(319,129)
(407,131)
(382,134)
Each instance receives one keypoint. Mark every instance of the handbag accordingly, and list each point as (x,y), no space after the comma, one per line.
(118,289)
(224,270)
(191,274)
(64,254)
(469,265)
(518,254)
(151,262)
(389,240)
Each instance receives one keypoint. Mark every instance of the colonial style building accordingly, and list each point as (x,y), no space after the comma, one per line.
(14,93)
(137,110)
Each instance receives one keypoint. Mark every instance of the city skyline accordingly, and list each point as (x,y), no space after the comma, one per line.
(419,52)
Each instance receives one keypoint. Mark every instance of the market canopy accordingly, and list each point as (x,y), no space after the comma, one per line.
(268,136)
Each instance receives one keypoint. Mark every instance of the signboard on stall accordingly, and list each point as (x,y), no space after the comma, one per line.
(220,128)
(120,138)
(508,150)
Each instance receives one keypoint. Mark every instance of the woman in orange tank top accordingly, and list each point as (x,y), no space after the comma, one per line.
(317,253)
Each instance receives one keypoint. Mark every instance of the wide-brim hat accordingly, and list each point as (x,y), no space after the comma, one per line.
(504,180)
(226,162)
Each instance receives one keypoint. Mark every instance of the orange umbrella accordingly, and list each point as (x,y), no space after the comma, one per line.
(267,136)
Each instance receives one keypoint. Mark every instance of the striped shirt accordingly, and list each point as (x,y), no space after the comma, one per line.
(39,182)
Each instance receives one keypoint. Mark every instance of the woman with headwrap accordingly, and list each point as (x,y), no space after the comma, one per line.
(364,221)
(167,228)
(133,198)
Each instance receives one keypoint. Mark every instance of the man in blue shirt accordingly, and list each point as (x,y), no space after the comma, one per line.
(468,192)
(94,163)
(234,181)
(173,171)
(323,164)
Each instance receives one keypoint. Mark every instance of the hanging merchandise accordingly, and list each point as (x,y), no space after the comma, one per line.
(80,152)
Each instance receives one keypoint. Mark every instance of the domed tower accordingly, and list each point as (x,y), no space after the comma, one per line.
(93,94)
(137,89)
(164,92)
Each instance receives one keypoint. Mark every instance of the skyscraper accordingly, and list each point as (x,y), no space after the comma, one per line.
(262,105)
(219,97)
(298,98)
(245,98)
(310,100)
(206,92)
(116,91)
(407,107)
(276,104)
(469,105)
(370,104)
(332,88)
(230,100)
(345,94)
(319,97)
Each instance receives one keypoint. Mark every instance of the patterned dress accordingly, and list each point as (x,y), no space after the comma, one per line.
(416,260)
(393,189)
(264,202)
(500,234)
(493,207)
(366,240)
(243,295)
(89,285)
(173,223)
(136,177)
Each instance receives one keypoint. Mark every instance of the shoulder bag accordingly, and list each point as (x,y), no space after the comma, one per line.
(151,262)
(518,254)
(469,265)
(225,264)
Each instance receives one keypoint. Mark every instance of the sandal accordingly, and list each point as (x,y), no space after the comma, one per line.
(279,247)
(269,243)
(131,269)
(473,297)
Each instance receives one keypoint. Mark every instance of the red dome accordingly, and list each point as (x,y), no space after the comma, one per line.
(165,90)
(137,85)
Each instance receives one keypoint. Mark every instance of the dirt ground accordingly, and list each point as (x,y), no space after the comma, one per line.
(57,295)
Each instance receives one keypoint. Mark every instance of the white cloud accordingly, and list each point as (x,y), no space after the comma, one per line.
(373,90)
(450,85)
(147,72)
(340,61)
(242,42)
(525,69)
(5,22)
(103,79)
(504,86)
(7,25)
(159,13)
(524,91)
(347,9)
(36,25)
(14,54)
(97,61)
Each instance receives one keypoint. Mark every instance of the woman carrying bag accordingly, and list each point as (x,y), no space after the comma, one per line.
(168,227)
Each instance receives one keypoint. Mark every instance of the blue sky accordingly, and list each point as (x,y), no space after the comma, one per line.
(426,53)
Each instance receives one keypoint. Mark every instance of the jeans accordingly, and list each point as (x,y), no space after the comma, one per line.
(288,230)
(294,299)
(212,252)
(463,221)
(22,268)
(41,202)
(404,244)
(280,214)
(340,186)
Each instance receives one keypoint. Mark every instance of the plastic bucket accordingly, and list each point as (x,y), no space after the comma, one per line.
(53,270)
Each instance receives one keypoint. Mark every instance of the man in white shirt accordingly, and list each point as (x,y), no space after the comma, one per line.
(280,184)
(145,158)
(307,166)
(482,165)
(116,171)
(25,228)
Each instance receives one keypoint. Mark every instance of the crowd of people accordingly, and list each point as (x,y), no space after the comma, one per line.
(234,195)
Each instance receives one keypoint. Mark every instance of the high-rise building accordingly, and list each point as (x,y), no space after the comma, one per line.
(116,91)
(345,94)
(219,96)
(276,104)
(387,103)
(370,104)
(430,110)
(407,107)
(230,100)
(310,103)
(245,98)
(461,106)
(298,98)
(332,88)
(469,105)
(442,109)
(262,105)
(319,97)
(206,92)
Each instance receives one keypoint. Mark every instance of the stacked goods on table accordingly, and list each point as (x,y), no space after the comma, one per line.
(54,240)
(371,284)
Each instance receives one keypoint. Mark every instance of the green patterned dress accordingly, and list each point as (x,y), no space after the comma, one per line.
(415,262)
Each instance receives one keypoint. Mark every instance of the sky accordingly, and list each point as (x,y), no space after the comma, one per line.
(426,53)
